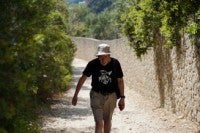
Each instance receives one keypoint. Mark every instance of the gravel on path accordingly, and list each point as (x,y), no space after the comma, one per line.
(139,116)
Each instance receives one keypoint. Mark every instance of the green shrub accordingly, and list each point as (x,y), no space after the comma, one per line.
(35,59)
(148,21)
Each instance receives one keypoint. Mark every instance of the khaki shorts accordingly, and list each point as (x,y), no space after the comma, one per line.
(102,105)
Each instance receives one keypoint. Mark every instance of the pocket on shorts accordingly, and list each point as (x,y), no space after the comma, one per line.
(95,100)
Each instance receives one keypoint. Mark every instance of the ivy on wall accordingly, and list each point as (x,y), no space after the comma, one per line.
(144,22)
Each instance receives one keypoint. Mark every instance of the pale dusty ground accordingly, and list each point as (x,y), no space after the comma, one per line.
(139,116)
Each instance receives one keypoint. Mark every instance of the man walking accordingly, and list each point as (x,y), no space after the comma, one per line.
(107,78)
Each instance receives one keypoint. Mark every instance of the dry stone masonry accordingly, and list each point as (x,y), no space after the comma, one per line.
(168,77)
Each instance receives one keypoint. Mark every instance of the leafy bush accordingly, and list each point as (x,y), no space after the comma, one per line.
(145,22)
(86,22)
(35,59)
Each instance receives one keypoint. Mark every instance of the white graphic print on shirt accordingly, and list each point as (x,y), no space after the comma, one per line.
(105,77)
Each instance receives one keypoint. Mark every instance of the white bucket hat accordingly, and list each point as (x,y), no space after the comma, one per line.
(103,49)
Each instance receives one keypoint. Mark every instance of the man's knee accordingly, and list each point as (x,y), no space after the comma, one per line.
(99,124)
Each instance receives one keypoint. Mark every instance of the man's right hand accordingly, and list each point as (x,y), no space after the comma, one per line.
(74,100)
(121,104)
(78,87)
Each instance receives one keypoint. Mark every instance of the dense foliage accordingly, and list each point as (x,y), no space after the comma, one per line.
(144,22)
(35,59)
(87,22)
(103,26)
(77,20)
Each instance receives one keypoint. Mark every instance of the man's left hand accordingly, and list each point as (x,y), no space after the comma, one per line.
(121,104)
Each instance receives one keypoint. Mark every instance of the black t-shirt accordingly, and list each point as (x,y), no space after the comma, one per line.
(104,78)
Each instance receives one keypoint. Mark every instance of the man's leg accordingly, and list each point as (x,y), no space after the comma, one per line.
(96,102)
(99,126)
(107,127)
(109,107)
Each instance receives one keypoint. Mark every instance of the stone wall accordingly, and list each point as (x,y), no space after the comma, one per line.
(168,77)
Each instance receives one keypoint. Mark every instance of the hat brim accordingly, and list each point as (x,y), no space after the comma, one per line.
(101,53)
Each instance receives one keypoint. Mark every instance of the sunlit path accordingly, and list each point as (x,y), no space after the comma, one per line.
(139,116)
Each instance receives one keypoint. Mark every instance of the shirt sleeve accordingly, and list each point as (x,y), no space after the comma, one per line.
(88,70)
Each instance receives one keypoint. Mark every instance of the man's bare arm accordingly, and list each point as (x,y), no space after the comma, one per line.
(78,88)
(121,86)
(121,102)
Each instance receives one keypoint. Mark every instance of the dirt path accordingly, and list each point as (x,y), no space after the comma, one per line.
(139,116)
